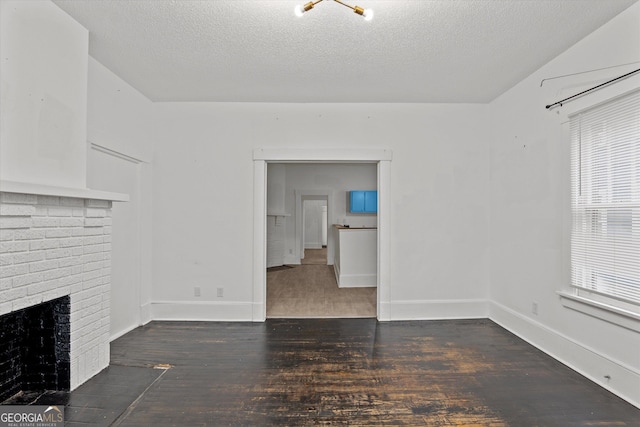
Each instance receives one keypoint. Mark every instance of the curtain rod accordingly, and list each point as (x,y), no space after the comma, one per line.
(591,89)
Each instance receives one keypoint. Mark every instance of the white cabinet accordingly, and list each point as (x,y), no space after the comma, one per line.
(356,257)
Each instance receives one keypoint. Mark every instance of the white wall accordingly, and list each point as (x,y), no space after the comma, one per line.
(43,95)
(530,212)
(203,200)
(119,135)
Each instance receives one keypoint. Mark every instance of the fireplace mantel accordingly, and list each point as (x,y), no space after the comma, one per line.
(48,190)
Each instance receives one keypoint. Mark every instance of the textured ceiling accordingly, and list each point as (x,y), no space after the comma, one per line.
(259,51)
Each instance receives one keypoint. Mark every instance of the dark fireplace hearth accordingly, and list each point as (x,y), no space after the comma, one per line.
(35,349)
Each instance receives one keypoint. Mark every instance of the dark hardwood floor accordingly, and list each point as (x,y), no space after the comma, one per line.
(339,372)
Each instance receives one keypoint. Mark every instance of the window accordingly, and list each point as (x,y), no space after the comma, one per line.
(605,202)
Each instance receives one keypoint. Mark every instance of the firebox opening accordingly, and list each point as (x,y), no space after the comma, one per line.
(36,349)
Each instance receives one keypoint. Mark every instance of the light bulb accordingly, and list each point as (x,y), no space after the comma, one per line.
(368,14)
(298,10)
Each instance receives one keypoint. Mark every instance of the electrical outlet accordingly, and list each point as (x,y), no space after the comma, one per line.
(534,308)
(290,251)
(196,291)
(220,292)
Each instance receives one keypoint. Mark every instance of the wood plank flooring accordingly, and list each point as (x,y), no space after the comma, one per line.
(356,372)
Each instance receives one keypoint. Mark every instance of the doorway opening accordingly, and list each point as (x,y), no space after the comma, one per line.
(314,231)
(380,158)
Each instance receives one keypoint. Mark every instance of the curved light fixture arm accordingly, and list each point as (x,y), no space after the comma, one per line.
(344,4)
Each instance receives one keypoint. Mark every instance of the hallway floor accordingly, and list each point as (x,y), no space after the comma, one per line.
(310,290)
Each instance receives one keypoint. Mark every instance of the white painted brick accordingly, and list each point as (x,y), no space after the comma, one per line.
(91,279)
(13,247)
(58,253)
(93,257)
(38,245)
(30,234)
(6,259)
(27,279)
(25,302)
(5,283)
(17,210)
(70,201)
(43,265)
(95,222)
(76,287)
(71,279)
(93,303)
(41,222)
(12,294)
(13,270)
(92,266)
(93,240)
(41,210)
(93,231)
(90,249)
(61,211)
(42,287)
(8,222)
(5,308)
(57,273)
(70,262)
(92,203)
(22,257)
(18,198)
(59,233)
(71,242)
(49,200)
(56,293)
(7,235)
(95,213)
(71,222)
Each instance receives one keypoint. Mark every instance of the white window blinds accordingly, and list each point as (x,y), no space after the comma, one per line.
(605,199)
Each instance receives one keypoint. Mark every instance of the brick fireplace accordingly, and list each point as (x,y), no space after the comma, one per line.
(52,248)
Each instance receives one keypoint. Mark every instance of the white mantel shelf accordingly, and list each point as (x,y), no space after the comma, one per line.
(48,190)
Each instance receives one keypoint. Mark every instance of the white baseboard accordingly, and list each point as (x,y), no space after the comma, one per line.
(624,381)
(212,311)
(291,260)
(357,280)
(118,334)
(438,309)
(145,313)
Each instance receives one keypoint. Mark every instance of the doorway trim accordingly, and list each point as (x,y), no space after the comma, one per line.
(262,156)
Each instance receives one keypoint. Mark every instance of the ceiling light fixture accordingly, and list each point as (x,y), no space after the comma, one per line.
(367,14)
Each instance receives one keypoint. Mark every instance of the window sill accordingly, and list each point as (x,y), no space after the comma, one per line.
(609,313)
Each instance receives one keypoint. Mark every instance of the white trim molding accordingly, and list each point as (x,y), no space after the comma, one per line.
(49,190)
(209,311)
(439,309)
(333,155)
(613,375)
(261,156)
(600,310)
